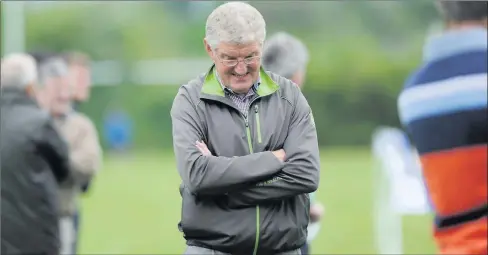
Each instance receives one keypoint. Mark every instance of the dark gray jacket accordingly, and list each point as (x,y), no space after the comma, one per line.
(34,159)
(243,200)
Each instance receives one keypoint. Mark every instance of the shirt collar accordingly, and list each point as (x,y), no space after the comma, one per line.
(61,117)
(455,42)
(254,87)
(64,116)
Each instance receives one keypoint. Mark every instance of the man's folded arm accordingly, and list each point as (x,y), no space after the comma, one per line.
(55,150)
(301,171)
(86,152)
(212,175)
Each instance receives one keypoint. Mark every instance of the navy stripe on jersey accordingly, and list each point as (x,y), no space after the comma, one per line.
(453,220)
(449,131)
(472,62)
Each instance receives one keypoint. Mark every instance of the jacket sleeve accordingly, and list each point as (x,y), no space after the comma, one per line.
(55,150)
(212,175)
(301,171)
(85,151)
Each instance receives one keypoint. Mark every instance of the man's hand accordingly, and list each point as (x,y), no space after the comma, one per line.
(316,212)
(202,147)
(280,154)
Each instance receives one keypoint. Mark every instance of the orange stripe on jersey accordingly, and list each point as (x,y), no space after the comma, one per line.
(469,238)
(456,179)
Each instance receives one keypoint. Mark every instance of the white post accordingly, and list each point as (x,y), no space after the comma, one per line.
(399,188)
(388,224)
(13,26)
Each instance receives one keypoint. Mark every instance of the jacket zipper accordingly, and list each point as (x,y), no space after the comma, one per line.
(249,143)
(248,133)
(258,124)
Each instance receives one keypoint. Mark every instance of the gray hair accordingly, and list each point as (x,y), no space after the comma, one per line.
(236,23)
(459,11)
(51,68)
(18,70)
(284,55)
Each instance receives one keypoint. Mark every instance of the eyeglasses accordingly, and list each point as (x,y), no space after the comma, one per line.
(234,62)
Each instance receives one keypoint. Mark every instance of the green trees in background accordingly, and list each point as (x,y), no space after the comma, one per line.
(361,52)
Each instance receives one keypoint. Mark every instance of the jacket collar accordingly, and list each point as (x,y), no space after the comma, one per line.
(228,90)
(11,96)
(212,89)
(455,42)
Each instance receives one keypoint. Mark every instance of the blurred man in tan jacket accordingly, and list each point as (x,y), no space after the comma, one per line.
(82,139)
(79,73)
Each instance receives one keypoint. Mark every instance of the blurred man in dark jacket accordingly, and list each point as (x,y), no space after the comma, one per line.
(34,160)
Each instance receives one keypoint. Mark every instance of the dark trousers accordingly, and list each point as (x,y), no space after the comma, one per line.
(76,222)
(304,249)
(194,250)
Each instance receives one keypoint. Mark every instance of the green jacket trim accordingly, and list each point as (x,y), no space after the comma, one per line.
(212,87)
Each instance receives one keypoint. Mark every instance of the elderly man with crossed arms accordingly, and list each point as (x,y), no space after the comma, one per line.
(245,145)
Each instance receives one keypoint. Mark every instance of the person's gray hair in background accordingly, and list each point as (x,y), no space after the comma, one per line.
(463,11)
(52,67)
(286,56)
(49,65)
(18,71)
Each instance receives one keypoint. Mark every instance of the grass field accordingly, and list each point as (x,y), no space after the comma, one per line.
(134,207)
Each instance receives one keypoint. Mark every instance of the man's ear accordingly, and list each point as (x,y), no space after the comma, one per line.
(208,48)
(30,90)
(298,78)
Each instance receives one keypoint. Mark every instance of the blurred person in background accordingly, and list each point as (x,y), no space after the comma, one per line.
(286,55)
(117,127)
(81,137)
(34,161)
(245,144)
(444,109)
(80,78)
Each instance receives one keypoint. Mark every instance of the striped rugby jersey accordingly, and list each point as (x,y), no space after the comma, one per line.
(443,107)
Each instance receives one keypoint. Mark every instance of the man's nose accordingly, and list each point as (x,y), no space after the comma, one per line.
(241,68)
